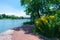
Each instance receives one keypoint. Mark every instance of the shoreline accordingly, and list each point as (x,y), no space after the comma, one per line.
(25,33)
(7,35)
(19,33)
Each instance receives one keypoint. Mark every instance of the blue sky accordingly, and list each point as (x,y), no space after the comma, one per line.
(12,7)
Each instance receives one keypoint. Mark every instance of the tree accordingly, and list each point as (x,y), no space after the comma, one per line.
(32,8)
(0,16)
(3,15)
(36,8)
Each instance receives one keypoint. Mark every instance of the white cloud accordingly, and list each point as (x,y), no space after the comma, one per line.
(8,10)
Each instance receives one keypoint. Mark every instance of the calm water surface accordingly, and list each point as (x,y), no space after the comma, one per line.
(9,24)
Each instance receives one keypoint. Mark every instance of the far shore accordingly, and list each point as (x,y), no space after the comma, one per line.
(14,19)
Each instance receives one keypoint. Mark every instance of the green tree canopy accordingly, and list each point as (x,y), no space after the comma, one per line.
(36,8)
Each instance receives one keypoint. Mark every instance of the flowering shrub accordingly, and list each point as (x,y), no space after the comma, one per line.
(48,26)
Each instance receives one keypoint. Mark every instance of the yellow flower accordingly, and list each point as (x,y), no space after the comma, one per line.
(42,18)
(37,22)
(46,21)
(52,17)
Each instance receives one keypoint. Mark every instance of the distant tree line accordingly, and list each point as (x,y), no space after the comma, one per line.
(4,16)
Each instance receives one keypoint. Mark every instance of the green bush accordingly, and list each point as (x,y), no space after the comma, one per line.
(28,23)
(48,26)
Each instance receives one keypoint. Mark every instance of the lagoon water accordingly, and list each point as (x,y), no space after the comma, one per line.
(9,24)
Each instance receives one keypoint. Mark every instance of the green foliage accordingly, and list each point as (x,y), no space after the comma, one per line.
(58,13)
(35,8)
(48,26)
(28,23)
